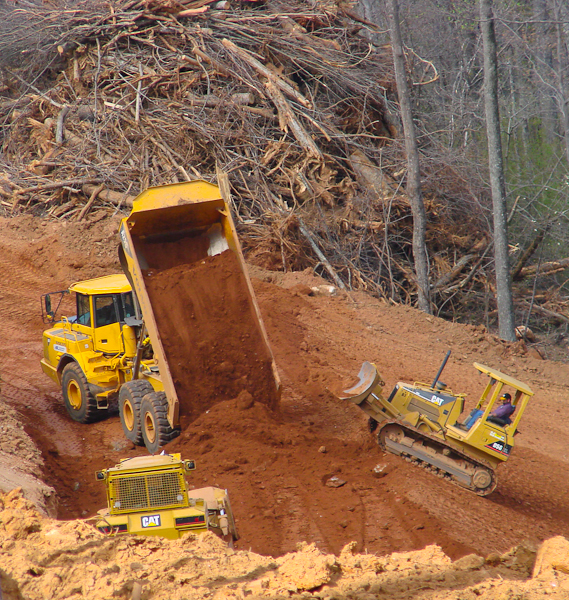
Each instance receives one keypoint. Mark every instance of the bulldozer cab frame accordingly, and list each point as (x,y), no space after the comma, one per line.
(499,383)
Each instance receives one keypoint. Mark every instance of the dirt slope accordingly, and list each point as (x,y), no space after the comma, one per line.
(284,470)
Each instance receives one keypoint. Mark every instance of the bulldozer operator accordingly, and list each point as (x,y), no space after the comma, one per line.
(502,412)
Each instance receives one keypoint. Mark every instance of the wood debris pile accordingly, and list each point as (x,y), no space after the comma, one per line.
(288,102)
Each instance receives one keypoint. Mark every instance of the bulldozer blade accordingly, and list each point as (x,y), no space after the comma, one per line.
(368,378)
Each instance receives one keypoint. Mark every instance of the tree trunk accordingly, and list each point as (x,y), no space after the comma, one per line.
(561,66)
(420,255)
(543,49)
(506,323)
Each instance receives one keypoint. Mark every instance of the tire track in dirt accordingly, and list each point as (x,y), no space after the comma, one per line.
(43,416)
(21,350)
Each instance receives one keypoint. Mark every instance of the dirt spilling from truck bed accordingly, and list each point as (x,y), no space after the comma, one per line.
(308,472)
(211,337)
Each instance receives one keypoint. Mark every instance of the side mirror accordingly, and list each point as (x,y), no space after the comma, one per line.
(49,313)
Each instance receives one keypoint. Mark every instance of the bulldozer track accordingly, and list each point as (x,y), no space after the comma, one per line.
(482,481)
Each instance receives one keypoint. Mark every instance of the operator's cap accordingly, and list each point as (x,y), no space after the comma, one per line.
(506,396)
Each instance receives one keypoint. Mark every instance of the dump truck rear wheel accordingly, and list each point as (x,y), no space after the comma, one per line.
(79,401)
(156,430)
(130,400)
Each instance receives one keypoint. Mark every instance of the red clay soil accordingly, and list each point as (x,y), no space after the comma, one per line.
(213,344)
(306,472)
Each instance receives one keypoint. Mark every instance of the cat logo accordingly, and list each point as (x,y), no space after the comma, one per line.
(150,521)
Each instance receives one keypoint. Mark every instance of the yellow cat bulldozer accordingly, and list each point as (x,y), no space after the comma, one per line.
(149,495)
(422,423)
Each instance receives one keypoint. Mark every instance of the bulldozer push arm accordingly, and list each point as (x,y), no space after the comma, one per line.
(367,394)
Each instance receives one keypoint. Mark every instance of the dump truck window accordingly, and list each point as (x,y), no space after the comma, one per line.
(83,310)
(126,306)
(105,312)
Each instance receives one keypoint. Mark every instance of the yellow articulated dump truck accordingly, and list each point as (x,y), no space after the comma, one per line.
(422,423)
(149,495)
(176,332)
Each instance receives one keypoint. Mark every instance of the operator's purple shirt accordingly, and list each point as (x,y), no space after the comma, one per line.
(504,411)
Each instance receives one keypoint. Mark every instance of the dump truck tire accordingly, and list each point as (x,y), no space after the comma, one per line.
(156,430)
(130,400)
(79,401)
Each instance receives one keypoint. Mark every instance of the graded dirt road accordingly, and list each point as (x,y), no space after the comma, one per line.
(278,465)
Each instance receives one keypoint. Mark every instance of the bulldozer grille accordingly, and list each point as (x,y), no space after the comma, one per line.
(146,491)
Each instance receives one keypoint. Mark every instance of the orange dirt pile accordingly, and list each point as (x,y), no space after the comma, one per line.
(41,558)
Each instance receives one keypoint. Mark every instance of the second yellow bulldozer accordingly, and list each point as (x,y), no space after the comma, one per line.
(149,495)
(422,423)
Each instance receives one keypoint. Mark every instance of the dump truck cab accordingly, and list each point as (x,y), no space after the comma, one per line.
(91,353)
(104,307)
(149,495)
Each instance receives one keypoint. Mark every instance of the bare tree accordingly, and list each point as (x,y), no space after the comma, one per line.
(414,193)
(562,63)
(506,325)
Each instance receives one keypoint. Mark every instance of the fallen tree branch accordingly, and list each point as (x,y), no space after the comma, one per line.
(43,187)
(545,269)
(529,252)
(454,272)
(546,312)
(286,118)
(49,186)
(109,195)
(320,255)
(473,271)
(90,202)
(285,87)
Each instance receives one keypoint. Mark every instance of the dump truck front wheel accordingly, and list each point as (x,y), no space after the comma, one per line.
(79,401)
(130,400)
(156,430)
